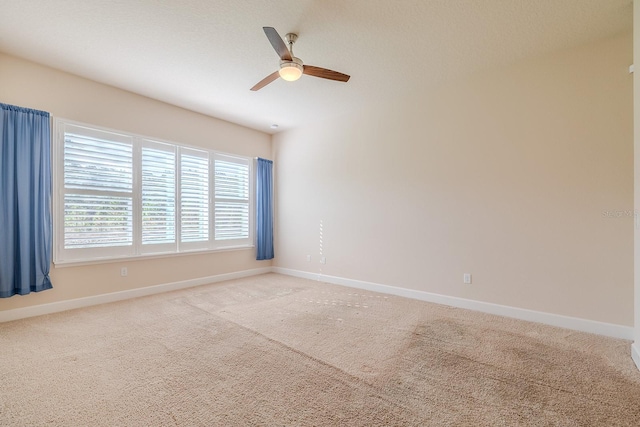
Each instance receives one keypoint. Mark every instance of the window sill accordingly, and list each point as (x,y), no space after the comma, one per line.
(63,264)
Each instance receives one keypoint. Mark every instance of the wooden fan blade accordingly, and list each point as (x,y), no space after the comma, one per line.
(262,83)
(323,73)
(277,43)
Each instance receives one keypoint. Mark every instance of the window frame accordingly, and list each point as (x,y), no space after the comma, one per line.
(80,256)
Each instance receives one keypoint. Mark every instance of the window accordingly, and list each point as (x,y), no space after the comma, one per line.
(231,199)
(123,195)
(98,192)
(158,197)
(194,188)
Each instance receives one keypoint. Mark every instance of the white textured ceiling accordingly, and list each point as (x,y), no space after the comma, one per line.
(204,55)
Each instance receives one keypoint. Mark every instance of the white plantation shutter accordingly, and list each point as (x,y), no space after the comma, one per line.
(119,196)
(194,195)
(158,196)
(98,189)
(231,198)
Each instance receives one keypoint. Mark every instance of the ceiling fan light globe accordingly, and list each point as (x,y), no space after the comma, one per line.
(290,74)
(291,70)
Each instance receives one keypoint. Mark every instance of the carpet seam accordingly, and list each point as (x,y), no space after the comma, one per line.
(321,362)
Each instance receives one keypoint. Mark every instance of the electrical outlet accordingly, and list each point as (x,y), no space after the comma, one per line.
(308,258)
(323,260)
(124,271)
(466,278)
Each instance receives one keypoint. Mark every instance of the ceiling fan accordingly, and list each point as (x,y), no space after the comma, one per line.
(292,68)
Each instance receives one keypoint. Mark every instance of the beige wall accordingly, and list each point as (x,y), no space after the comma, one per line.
(63,95)
(636,119)
(506,175)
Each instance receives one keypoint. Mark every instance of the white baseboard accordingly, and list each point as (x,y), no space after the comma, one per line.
(635,353)
(54,307)
(583,325)
(574,323)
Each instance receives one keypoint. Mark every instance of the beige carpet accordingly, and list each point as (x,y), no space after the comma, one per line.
(274,350)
